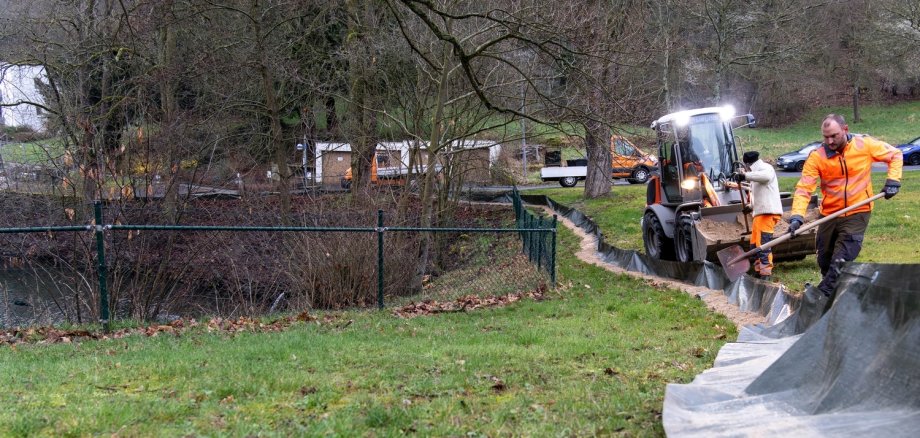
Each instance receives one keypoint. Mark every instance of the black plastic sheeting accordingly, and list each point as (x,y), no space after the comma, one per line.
(785,314)
(856,372)
(853,371)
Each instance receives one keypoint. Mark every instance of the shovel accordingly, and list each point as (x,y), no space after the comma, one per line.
(747,226)
(735,261)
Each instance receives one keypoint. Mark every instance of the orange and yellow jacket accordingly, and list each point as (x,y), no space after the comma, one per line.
(846,176)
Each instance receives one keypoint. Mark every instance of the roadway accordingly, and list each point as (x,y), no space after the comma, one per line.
(876,167)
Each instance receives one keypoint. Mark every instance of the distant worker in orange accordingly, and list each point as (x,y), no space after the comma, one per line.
(844,166)
(766,207)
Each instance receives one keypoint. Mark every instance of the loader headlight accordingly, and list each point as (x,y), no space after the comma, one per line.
(682,119)
(688,184)
(727,112)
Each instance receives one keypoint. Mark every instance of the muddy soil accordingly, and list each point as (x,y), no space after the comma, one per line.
(731,231)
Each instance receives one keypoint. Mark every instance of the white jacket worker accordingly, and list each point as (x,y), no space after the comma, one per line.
(767,207)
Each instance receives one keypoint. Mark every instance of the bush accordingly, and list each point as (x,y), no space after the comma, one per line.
(153,273)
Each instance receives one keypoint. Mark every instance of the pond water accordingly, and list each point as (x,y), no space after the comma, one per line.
(30,297)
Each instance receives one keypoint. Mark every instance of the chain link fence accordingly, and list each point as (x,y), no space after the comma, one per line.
(109,268)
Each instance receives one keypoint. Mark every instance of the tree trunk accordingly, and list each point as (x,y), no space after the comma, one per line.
(275,138)
(332,118)
(856,118)
(363,123)
(168,108)
(363,143)
(428,189)
(597,144)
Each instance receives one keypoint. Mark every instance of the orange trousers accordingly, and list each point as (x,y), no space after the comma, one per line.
(762,232)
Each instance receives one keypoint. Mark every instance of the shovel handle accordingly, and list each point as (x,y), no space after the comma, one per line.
(805,227)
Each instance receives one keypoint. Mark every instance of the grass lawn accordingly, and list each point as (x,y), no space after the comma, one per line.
(593,359)
(890,238)
(35,152)
(894,124)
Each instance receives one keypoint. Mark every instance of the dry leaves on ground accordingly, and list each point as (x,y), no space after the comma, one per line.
(51,335)
(462,304)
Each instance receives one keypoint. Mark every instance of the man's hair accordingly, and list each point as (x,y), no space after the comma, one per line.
(835,117)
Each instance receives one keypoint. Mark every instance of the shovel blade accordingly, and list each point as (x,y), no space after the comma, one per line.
(735,270)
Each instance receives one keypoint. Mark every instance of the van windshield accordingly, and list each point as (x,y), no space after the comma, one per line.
(622,147)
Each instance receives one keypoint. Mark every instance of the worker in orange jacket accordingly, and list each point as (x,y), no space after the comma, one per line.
(844,166)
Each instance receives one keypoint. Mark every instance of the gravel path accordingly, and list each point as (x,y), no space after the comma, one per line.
(715,300)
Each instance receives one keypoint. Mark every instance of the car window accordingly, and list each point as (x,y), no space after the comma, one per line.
(916,142)
(808,148)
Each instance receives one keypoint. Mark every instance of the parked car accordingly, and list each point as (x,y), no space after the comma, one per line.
(626,161)
(796,160)
(911,151)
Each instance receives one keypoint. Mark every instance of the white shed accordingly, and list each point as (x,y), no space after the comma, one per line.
(17,89)
(333,159)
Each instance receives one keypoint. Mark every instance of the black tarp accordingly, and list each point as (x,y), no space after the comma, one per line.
(852,371)
(781,309)
(856,372)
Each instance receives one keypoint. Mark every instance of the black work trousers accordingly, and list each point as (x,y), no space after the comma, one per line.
(839,240)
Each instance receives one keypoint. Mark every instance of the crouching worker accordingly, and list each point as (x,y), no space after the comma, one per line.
(767,208)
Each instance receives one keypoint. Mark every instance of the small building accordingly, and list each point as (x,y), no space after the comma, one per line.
(475,158)
(18,87)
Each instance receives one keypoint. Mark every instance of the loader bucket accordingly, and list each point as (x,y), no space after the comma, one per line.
(723,227)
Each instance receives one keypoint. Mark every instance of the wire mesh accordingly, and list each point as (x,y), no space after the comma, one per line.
(228,264)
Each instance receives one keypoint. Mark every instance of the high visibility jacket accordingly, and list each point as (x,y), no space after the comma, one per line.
(846,175)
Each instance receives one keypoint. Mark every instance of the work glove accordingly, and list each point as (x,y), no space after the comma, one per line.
(737,177)
(891,188)
(747,209)
(795,222)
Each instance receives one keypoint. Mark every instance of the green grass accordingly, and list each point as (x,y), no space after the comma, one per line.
(894,124)
(36,152)
(593,359)
(617,215)
(889,239)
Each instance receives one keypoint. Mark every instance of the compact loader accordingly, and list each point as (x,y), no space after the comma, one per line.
(693,210)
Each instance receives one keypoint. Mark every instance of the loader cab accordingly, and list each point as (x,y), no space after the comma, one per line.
(697,151)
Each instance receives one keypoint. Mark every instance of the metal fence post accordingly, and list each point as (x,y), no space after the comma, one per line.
(540,245)
(552,260)
(100,267)
(528,244)
(380,259)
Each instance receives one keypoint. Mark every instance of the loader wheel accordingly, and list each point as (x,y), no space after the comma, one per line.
(568,181)
(683,240)
(657,244)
